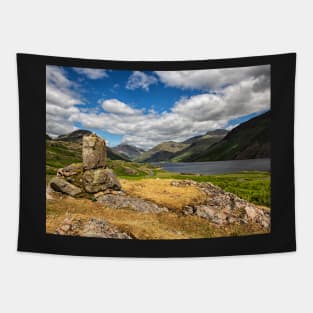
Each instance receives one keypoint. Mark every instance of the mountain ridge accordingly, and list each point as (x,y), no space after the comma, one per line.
(249,140)
(130,151)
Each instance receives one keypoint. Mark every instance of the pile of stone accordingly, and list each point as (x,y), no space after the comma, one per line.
(91,227)
(222,207)
(92,176)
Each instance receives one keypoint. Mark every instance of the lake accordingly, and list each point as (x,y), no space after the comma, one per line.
(217,167)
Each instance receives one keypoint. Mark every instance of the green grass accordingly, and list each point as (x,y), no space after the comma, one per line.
(251,186)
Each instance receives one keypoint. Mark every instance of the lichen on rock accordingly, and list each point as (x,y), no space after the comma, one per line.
(94,152)
(91,176)
(100,179)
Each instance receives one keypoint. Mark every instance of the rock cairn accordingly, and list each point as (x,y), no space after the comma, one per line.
(90,177)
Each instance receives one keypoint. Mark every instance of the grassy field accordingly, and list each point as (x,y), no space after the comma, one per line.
(152,183)
(251,186)
(167,225)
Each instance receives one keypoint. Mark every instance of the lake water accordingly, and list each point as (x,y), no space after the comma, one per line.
(217,167)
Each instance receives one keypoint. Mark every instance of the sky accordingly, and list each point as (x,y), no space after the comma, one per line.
(145,108)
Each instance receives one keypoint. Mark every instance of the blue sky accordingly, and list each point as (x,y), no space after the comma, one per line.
(144,108)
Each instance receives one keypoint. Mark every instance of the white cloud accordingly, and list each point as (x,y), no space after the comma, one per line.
(91,73)
(140,80)
(233,97)
(116,106)
(188,117)
(214,79)
(61,99)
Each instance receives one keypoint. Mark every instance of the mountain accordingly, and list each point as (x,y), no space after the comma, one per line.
(161,152)
(131,152)
(48,137)
(77,136)
(249,140)
(198,144)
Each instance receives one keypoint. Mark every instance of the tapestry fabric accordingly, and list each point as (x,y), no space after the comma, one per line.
(156,159)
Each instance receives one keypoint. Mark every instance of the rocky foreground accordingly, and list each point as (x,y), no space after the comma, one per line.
(94,181)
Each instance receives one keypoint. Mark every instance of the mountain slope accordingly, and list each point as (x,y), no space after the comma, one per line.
(249,140)
(77,136)
(198,144)
(162,152)
(131,152)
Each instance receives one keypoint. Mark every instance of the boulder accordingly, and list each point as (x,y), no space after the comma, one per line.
(100,179)
(94,152)
(129,202)
(70,170)
(61,185)
(91,227)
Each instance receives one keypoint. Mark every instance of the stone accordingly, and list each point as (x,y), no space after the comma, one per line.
(129,202)
(205,211)
(61,185)
(222,207)
(94,152)
(91,227)
(70,170)
(100,179)
(251,212)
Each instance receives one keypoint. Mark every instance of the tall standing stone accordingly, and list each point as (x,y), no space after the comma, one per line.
(94,152)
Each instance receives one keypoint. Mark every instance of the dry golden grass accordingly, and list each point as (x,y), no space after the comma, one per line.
(161,192)
(141,225)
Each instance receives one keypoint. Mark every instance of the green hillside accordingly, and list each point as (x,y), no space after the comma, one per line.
(162,152)
(249,140)
(198,145)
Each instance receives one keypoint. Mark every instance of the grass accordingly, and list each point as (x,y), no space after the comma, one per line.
(152,183)
(60,154)
(252,186)
(167,225)
(163,193)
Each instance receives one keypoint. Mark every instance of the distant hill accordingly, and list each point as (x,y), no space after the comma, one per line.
(77,136)
(249,140)
(131,152)
(198,144)
(162,152)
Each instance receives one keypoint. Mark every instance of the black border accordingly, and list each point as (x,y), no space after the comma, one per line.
(32,236)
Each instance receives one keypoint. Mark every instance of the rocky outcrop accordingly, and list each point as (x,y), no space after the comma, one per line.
(222,207)
(128,202)
(91,227)
(61,185)
(91,176)
(94,152)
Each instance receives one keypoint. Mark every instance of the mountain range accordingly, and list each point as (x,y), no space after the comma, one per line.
(249,140)
(128,151)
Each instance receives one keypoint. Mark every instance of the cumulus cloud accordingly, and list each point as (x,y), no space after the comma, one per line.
(140,80)
(91,73)
(61,98)
(218,102)
(215,79)
(188,117)
(119,107)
